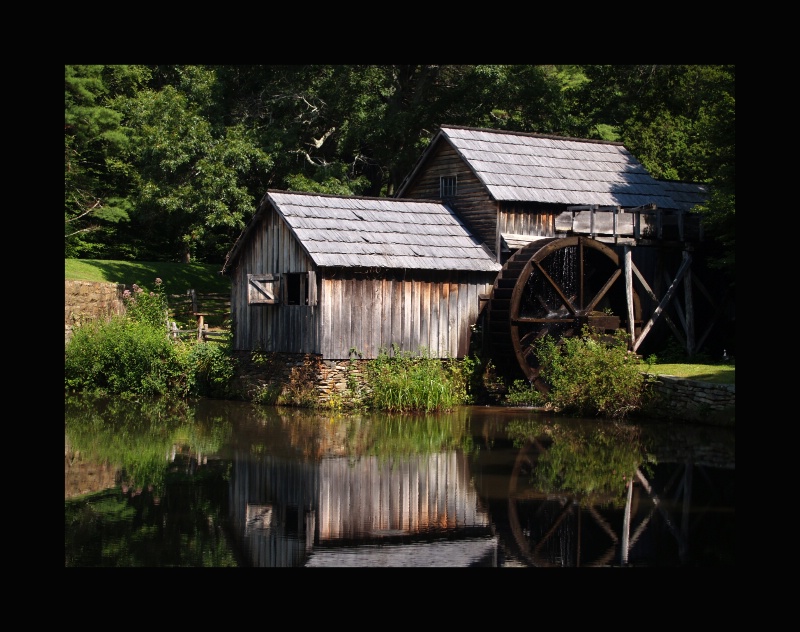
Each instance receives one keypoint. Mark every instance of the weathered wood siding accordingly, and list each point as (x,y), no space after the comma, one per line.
(412,309)
(527,219)
(473,204)
(272,249)
(415,310)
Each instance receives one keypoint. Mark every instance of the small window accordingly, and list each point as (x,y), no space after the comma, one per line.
(263,288)
(299,288)
(448,186)
(295,289)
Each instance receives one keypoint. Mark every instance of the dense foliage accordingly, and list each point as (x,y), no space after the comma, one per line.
(590,375)
(132,354)
(594,463)
(168,163)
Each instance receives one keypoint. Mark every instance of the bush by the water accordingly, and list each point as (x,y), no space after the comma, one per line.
(591,375)
(133,354)
(402,381)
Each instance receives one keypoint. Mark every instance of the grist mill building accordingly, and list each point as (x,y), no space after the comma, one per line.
(518,235)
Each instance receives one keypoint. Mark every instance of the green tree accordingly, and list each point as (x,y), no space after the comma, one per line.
(96,172)
(169,162)
(190,196)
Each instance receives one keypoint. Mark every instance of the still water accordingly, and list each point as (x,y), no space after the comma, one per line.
(213,483)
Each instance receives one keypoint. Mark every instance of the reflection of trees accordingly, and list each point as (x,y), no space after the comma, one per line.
(155,447)
(383,435)
(594,462)
(141,439)
(603,493)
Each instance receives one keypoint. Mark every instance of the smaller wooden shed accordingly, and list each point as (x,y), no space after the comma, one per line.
(341,276)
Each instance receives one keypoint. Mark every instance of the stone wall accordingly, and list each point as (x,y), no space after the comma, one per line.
(85,301)
(296,376)
(678,398)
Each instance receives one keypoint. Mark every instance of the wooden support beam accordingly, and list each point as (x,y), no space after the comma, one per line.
(689,305)
(664,302)
(653,296)
(628,265)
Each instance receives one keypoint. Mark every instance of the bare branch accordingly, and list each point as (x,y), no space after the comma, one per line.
(319,141)
(88,229)
(97,204)
(317,163)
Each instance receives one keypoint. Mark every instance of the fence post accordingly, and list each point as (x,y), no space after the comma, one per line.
(193,294)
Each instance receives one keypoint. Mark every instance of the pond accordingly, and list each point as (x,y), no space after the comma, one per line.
(212,483)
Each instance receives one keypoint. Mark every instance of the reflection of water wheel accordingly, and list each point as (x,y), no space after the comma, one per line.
(554,287)
(549,528)
(540,526)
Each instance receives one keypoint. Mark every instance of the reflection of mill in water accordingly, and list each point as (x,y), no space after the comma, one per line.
(554,529)
(295,513)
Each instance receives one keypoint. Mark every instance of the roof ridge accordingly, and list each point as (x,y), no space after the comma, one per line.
(596,141)
(356,197)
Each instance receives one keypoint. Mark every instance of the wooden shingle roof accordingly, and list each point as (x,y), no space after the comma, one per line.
(518,167)
(686,195)
(361,232)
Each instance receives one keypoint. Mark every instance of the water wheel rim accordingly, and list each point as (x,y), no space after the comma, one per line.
(519,329)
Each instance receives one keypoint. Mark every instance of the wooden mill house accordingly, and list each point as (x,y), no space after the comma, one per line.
(477,228)
(343,277)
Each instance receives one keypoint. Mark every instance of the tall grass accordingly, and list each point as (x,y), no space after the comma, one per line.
(402,381)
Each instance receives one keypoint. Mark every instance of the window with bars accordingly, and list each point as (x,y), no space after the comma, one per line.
(448,186)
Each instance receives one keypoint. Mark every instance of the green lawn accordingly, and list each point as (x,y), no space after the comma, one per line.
(177,277)
(717,373)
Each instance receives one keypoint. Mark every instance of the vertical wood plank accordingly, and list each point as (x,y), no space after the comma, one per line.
(396,335)
(378,316)
(435,324)
(424,315)
(444,316)
(387,292)
(405,342)
(452,322)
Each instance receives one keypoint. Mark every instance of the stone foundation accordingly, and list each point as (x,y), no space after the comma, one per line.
(299,377)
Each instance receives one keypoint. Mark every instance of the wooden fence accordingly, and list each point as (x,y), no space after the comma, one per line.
(201,309)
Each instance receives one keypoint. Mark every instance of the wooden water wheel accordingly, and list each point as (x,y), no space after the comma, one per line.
(554,287)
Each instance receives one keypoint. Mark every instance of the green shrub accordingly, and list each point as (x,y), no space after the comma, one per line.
(591,375)
(122,356)
(210,369)
(133,354)
(142,306)
(523,393)
(402,382)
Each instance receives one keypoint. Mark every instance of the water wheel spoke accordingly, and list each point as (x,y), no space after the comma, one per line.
(603,291)
(526,340)
(566,301)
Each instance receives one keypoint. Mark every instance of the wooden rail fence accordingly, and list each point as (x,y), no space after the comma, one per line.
(203,308)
